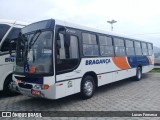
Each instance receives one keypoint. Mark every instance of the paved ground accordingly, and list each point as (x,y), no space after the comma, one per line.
(125,95)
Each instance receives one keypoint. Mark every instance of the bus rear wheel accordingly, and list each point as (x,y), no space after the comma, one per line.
(87,87)
(138,74)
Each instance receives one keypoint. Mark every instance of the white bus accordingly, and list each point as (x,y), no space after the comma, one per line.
(9,29)
(55,59)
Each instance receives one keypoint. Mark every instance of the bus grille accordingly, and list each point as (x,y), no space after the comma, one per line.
(27,86)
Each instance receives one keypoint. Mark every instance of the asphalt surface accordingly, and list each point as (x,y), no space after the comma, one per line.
(124,95)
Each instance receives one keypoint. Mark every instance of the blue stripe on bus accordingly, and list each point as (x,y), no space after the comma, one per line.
(34,80)
(134,61)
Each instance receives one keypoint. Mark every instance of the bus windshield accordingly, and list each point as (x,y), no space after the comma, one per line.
(34,53)
(3,29)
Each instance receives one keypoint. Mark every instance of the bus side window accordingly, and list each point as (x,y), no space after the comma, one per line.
(60,47)
(73,48)
(138,49)
(129,47)
(67,55)
(119,46)
(150,49)
(90,45)
(144,48)
(106,46)
(12,35)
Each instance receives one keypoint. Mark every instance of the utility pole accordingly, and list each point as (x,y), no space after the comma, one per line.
(111,22)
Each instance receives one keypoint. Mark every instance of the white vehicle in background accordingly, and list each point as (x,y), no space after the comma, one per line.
(9,29)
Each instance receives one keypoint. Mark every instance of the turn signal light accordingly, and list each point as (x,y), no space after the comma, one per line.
(45,86)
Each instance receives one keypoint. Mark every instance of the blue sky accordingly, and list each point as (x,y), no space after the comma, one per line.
(136,18)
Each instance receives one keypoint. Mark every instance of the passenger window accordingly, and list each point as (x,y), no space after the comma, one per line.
(12,35)
(67,55)
(129,47)
(144,49)
(73,49)
(138,49)
(60,47)
(150,49)
(119,47)
(90,46)
(106,46)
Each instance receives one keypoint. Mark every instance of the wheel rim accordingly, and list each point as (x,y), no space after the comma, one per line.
(88,88)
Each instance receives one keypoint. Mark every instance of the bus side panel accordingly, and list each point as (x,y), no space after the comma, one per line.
(119,75)
(147,68)
(115,76)
(105,78)
(60,89)
(147,64)
(67,88)
(77,87)
(142,60)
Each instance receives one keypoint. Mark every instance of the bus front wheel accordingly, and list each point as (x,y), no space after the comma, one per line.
(87,87)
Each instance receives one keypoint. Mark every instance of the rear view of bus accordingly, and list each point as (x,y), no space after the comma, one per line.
(55,59)
(9,30)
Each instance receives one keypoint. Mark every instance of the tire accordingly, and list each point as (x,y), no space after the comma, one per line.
(138,74)
(6,87)
(87,87)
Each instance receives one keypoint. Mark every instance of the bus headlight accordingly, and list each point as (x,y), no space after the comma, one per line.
(43,87)
(37,87)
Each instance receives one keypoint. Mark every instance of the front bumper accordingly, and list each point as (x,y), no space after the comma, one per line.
(14,87)
(48,94)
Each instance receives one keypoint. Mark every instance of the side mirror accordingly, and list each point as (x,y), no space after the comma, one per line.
(12,47)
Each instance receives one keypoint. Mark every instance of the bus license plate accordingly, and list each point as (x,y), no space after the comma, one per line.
(35,92)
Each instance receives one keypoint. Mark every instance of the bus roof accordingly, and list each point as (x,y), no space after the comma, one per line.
(82,27)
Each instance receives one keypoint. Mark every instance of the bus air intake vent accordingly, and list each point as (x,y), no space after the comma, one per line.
(27,86)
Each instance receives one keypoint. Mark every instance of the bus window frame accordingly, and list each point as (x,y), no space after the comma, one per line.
(119,46)
(55,50)
(97,41)
(98,35)
(129,47)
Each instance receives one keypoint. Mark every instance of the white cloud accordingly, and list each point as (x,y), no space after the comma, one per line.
(133,16)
